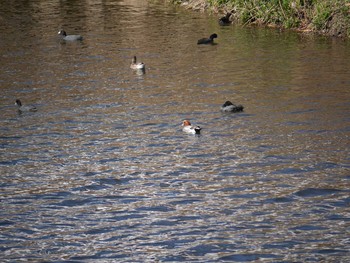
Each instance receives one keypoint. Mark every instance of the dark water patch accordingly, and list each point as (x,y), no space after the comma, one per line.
(228,173)
(175,258)
(98,256)
(109,181)
(164,223)
(301,111)
(52,195)
(186,218)
(128,216)
(266,225)
(168,244)
(20,161)
(117,238)
(184,202)
(190,233)
(232,189)
(158,145)
(279,200)
(263,148)
(109,160)
(289,170)
(155,209)
(6,163)
(88,174)
(245,196)
(202,155)
(75,202)
(308,228)
(341,203)
(326,165)
(9,138)
(332,251)
(338,217)
(304,131)
(282,245)
(131,199)
(179,171)
(91,187)
(201,250)
(25,231)
(249,257)
(6,223)
(312,192)
(120,127)
(285,158)
(97,231)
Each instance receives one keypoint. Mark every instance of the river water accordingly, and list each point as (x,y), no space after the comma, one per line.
(102,171)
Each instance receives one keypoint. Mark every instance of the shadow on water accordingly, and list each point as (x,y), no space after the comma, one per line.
(102,171)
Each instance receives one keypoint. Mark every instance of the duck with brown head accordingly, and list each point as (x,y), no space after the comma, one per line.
(189,128)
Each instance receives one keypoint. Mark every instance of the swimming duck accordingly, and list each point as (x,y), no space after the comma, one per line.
(66,37)
(135,65)
(22,108)
(228,106)
(188,128)
(225,20)
(209,40)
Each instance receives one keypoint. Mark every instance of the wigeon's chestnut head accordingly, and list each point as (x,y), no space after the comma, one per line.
(186,123)
(188,128)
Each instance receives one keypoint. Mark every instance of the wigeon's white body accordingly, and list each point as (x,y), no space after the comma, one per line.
(135,65)
(188,128)
(228,106)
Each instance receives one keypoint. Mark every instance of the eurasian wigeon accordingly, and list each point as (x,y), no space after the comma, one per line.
(135,65)
(22,108)
(209,40)
(188,128)
(66,37)
(228,106)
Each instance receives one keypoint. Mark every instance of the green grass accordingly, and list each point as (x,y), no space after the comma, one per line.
(330,17)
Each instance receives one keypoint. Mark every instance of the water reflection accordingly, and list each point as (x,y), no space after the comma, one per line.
(103,171)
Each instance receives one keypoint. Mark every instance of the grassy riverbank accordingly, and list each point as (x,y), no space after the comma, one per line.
(328,17)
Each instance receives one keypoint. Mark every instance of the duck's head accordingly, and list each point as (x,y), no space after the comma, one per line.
(133,61)
(18,103)
(186,123)
(228,15)
(62,33)
(212,36)
(227,103)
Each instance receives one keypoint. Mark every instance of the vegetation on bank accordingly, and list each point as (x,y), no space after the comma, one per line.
(330,17)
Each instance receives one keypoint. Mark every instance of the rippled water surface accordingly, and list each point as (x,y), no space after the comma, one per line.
(102,171)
